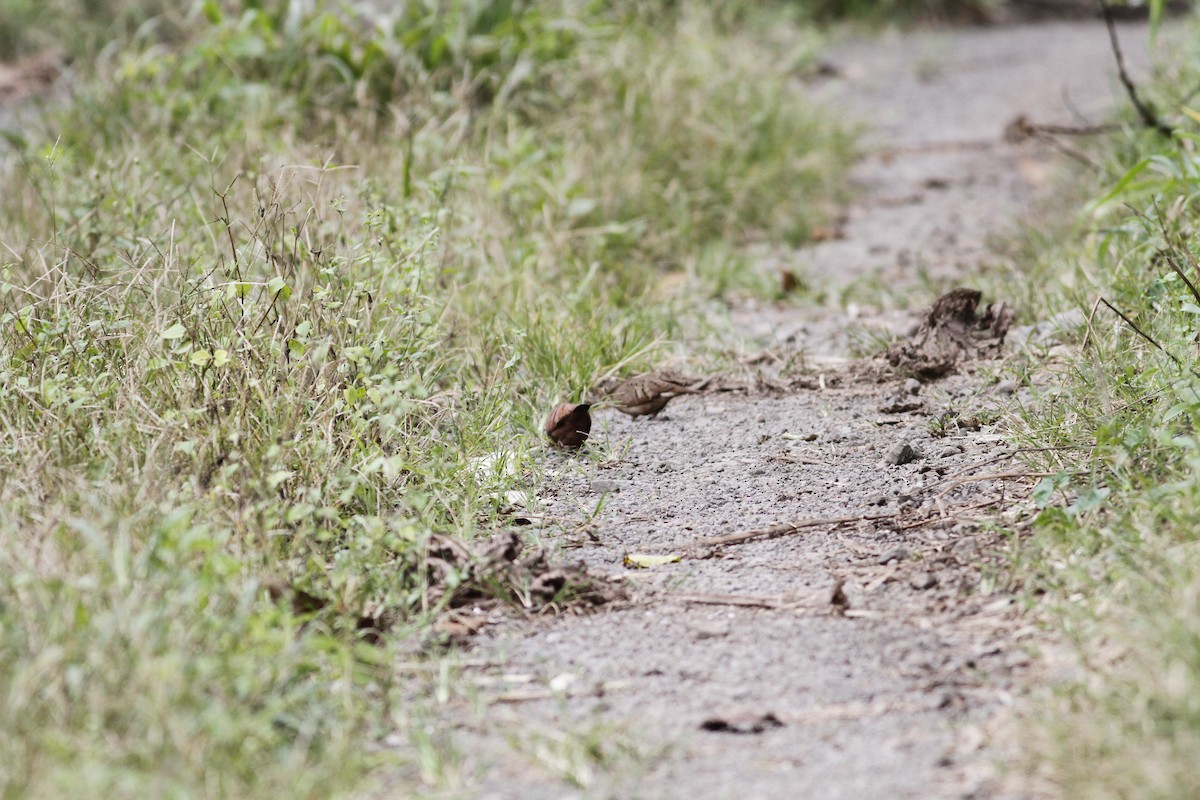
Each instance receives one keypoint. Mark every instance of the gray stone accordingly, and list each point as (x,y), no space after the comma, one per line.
(901,454)
(922,580)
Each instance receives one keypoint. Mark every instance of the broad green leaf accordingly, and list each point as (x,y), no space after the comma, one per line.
(176,331)
(279,476)
(1088,500)
(1097,205)
(1174,411)
(277,286)
(200,357)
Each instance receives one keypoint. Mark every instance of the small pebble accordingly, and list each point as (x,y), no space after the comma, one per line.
(877,499)
(900,454)
(912,386)
(922,580)
(1005,387)
(950,452)
(895,554)
(603,486)
(711,629)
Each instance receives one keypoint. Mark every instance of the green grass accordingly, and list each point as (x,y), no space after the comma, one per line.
(1113,549)
(79,28)
(283,296)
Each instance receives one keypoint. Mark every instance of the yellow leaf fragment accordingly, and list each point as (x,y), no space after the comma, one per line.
(644,561)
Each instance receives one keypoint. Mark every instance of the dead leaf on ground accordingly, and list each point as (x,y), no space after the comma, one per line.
(788,282)
(826,233)
(953,333)
(460,627)
(837,595)
(502,568)
(742,722)
(644,561)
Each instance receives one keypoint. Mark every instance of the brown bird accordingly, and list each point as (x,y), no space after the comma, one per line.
(649,393)
(569,424)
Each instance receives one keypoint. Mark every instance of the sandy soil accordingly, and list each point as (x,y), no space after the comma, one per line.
(904,691)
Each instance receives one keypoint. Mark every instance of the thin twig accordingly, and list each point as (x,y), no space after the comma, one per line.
(921,523)
(1149,118)
(1087,336)
(744,600)
(1166,254)
(991,476)
(1071,152)
(1140,332)
(1073,130)
(786,528)
(987,462)
(796,526)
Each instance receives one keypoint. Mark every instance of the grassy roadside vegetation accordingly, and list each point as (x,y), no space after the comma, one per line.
(282,295)
(1115,544)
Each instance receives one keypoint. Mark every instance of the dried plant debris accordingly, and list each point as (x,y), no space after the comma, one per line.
(742,722)
(646,561)
(370,622)
(457,577)
(502,569)
(837,595)
(953,333)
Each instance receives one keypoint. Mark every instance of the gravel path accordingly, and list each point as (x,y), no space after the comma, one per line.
(906,692)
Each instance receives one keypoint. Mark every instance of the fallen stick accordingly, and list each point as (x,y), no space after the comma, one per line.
(745,600)
(1148,117)
(786,528)
(991,476)
(943,516)
(796,526)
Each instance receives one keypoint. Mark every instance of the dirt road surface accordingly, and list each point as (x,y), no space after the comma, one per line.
(730,674)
